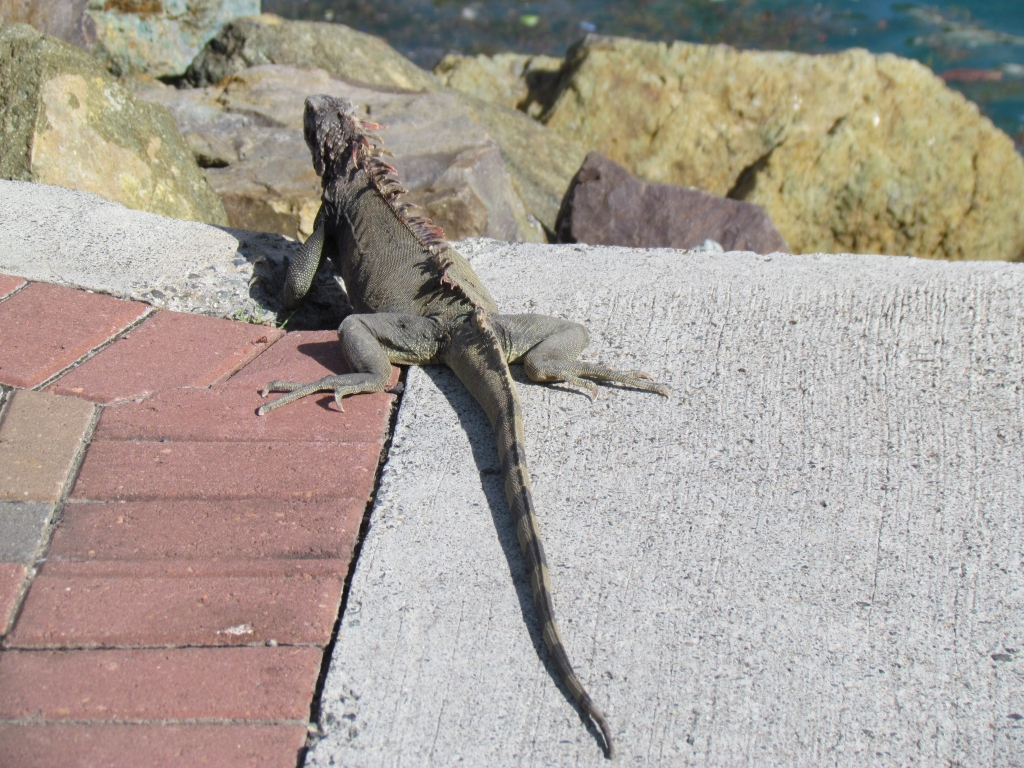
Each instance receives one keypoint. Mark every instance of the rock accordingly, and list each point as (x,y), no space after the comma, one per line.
(57,18)
(514,80)
(340,51)
(499,89)
(67,122)
(607,205)
(846,152)
(540,162)
(247,131)
(158,37)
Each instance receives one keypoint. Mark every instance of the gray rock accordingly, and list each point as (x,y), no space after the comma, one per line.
(607,205)
(80,240)
(248,133)
(67,122)
(65,19)
(158,38)
(334,48)
(809,554)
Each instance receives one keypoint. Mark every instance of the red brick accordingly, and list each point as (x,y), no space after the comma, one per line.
(11,577)
(152,746)
(174,684)
(228,413)
(147,471)
(178,603)
(299,356)
(169,350)
(47,328)
(207,530)
(9,284)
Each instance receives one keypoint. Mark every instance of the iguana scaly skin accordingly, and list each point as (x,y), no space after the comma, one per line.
(417,302)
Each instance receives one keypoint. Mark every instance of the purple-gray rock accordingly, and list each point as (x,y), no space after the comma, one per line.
(65,19)
(607,205)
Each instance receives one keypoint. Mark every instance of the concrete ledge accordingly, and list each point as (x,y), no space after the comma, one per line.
(810,553)
(80,240)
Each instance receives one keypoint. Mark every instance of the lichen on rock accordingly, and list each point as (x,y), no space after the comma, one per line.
(158,37)
(68,123)
(848,152)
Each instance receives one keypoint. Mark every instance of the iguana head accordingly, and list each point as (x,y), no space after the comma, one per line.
(330,127)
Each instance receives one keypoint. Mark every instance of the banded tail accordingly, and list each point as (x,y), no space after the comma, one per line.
(479,361)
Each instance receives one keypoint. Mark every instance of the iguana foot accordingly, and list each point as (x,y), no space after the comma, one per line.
(340,385)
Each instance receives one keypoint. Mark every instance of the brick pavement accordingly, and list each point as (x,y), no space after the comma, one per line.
(171,565)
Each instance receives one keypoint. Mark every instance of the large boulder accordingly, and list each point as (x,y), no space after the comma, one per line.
(247,131)
(846,152)
(514,80)
(340,51)
(67,122)
(539,162)
(159,38)
(607,205)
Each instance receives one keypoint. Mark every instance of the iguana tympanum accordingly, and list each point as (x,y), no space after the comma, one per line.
(417,301)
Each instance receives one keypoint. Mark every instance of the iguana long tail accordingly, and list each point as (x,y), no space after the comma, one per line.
(479,361)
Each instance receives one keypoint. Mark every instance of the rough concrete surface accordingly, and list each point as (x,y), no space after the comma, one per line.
(810,554)
(79,239)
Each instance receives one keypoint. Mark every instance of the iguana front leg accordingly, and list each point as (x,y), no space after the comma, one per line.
(370,343)
(548,347)
(305,265)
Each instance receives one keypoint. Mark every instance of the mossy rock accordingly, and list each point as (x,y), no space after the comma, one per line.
(849,152)
(68,123)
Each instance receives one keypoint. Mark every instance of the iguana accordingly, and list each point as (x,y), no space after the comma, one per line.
(417,301)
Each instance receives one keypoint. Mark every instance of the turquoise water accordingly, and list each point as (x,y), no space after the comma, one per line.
(978,47)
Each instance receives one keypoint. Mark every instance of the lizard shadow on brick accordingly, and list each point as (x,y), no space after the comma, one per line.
(328,354)
(478,431)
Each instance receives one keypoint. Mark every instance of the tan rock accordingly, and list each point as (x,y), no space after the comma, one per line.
(513,80)
(340,51)
(846,152)
(68,123)
(540,161)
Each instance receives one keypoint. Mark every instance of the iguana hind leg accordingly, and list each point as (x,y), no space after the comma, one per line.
(548,347)
(370,343)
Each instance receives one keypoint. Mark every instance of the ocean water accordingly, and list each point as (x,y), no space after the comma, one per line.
(977,47)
